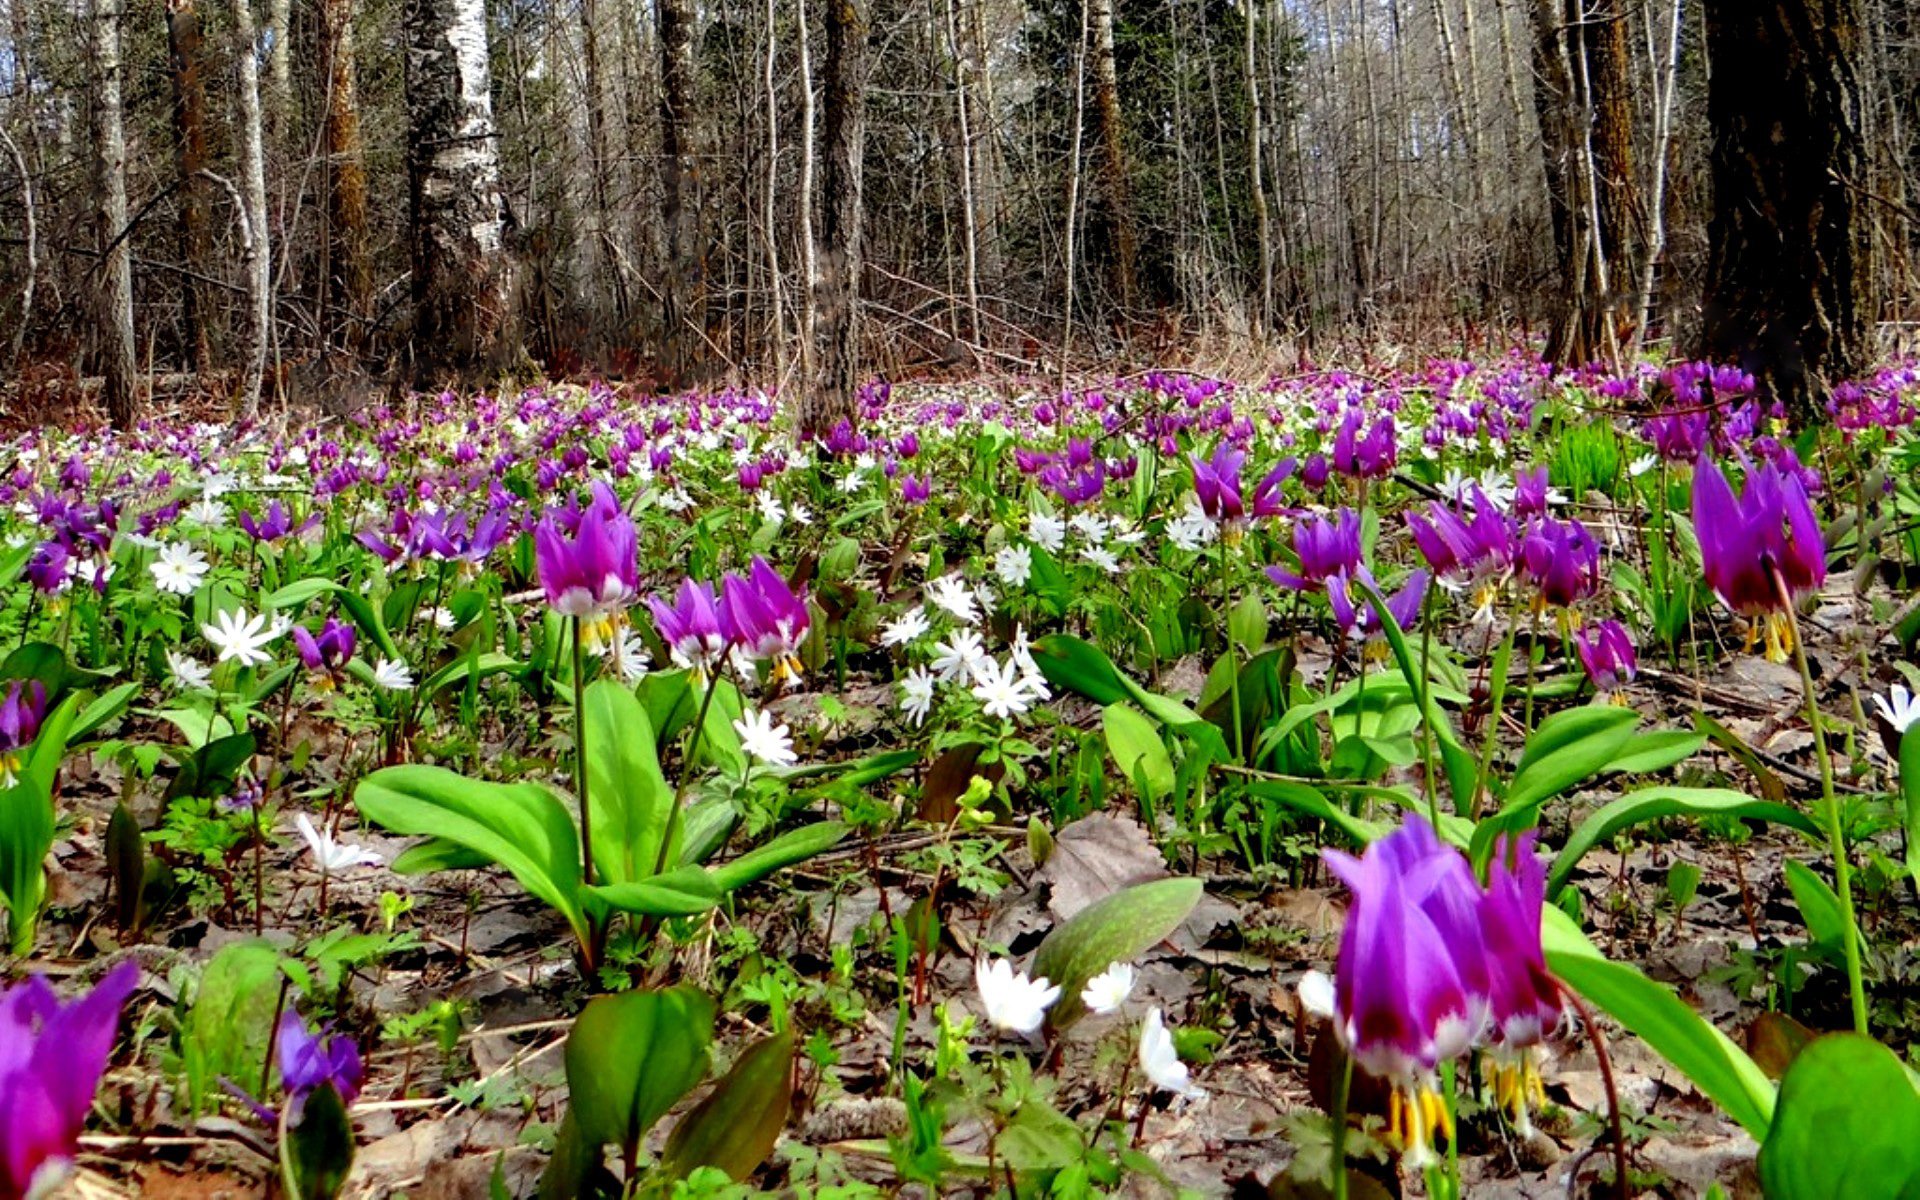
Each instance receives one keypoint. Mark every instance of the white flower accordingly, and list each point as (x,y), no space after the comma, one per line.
(1640,466)
(764,740)
(1022,654)
(1498,487)
(179,569)
(1900,707)
(189,673)
(1048,533)
(916,694)
(770,510)
(1316,994)
(443,618)
(851,482)
(1014,565)
(91,573)
(1457,486)
(1011,999)
(1101,558)
(240,637)
(1090,526)
(800,514)
(1126,533)
(330,855)
(1160,1061)
(627,655)
(911,625)
(393,675)
(1108,990)
(959,656)
(676,501)
(1191,529)
(950,592)
(207,512)
(215,484)
(1001,689)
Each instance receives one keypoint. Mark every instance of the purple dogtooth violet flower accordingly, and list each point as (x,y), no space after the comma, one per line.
(1474,551)
(1216,481)
(1757,544)
(594,575)
(762,616)
(1355,611)
(326,654)
(1366,455)
(1606,651)
(915,489)
(1267,498)
(690,626)
(1412,981)
(311,1061)
(1523,998)
(1530,492)
(21,711)
(1326,547)
(1561,559)
(52,1056)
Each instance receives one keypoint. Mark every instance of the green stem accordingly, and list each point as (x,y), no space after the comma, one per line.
(686,771)
(1342,1085)
(1496,695)
(1450,1095)
(1836,834)
(580,754)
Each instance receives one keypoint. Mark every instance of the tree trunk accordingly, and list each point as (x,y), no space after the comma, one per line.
(598,170)
(831,399)
(462,276)
(1120,238)
(1787,293)
(1256,178)
(682,320)
(190,138)
(349,285)
(776,292)
(251,200)
(114,297)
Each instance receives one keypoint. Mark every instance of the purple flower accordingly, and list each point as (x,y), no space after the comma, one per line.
(1530,491)
(1754,544)
(1325,547)
(1461,547)
(328,652)
(760,614)
(309,1062)
(691,626)
(21,713)
(1523,998)
(51,1060)
(1562,560)
(915,489)
(1314,473)
(1357,615)
(1606,651)
(276,524)
(1678,436)
(1267,500)
(50,569)
(1409,955)
(1366,456)
(595,574)
(1216,481)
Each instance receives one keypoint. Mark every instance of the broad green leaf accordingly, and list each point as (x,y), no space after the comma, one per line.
(1461,770)
(1819,906)
(521,826)
(1655,751)
(358,607)
(317,1153)
(213,770)
(1652,804)
(1567,747)
(1116,928)
(1071,663)
(1848,1124)
(792,847)
(110,704)
(226,1029)
(632,804)
(682,892)
(735,1126)
(467,667)
(1137,750)
(196,727)
(27,825)
(1311,802)
(631,1056)
(1721,1070)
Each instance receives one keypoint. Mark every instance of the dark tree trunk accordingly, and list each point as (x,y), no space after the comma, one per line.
(349,282)
(837,303)
(114,290)
(462,271)
(1583,98)
(184,43)
(1788,291)
(1113,223)
(682,323)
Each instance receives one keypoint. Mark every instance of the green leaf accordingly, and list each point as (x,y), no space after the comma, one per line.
(735,1126)
(111,704)
(1567,747)
(27,825)
(1137,750)
(794,846)
(521,826)
(317,1154)
(229,1023)
(630,1057)
(358,607)
(1652,804)
(1655,751)
(467,667)
(1848,1124)
(1462,771)
(1721,1070)
(1070,663)
(682,892)
(1313,803)
(214,769)
(1819,906)
(632,804)
(1110,930)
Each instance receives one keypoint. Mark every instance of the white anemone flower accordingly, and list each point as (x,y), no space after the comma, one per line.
(331,855)
(1900,707)
(763,739)
(1002,689)
(1161,1062)
(1013,1001)
(916,694)
(241,638)
(1108,990)
(393,675)
(951,594)
(910,625)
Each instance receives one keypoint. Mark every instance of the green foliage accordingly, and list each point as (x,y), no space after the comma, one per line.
(27,826)
(631,1057)
(228,1022)
(1113,929)
(1656,803)
(735,1126)
(1847,1124)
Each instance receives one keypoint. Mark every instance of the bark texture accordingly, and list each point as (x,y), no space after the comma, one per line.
(185,60)
(1788,277)
(837,303)
(114,292)
(681,316)
(462,273)
(349,282)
